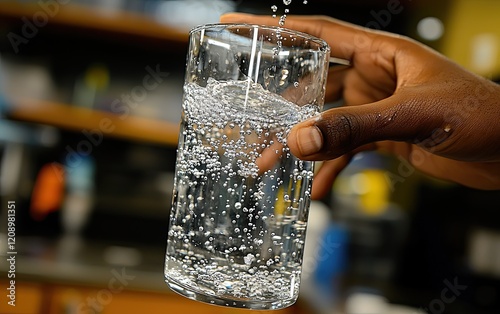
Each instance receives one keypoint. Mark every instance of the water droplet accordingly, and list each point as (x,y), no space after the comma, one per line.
(281,23)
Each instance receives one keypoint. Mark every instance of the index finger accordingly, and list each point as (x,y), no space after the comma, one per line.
(345,39)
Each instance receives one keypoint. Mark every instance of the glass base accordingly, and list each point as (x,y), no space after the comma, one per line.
(187,292)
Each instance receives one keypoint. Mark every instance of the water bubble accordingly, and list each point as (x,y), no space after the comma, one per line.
(249,258)
(258,241)
(223,155)
(287,2)
(237,205)
(274,8)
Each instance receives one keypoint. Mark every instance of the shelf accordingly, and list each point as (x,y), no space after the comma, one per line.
(79,119)
(103,21)
(105,24)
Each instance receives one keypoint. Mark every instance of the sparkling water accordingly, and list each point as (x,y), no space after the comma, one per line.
(241,199)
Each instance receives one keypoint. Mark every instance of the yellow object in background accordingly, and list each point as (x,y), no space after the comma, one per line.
(375,200)
(472,38)
(97,77)
(279,205)
(366,189)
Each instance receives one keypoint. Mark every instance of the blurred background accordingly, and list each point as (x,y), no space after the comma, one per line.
(90,100)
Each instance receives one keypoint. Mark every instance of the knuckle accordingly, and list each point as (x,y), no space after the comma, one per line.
(342,132)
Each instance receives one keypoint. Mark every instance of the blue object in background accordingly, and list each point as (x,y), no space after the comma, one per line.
(332,257)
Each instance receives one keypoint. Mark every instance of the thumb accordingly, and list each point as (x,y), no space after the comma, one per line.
(338,131)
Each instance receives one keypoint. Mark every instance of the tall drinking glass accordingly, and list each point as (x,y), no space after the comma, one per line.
(241,199)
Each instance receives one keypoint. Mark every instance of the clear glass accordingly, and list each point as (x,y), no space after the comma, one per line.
(241,199)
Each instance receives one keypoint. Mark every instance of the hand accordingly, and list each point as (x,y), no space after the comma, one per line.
(402,98)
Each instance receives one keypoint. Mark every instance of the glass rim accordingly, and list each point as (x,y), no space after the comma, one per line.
(321,42)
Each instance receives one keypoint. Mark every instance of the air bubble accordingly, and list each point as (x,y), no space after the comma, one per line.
(249,258)
(214,152)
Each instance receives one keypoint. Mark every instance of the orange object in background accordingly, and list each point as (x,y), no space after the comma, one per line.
(48,191)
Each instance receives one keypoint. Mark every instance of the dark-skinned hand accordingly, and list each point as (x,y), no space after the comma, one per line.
(402,98)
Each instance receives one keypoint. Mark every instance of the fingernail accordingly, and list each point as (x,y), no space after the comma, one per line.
(309,140)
